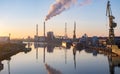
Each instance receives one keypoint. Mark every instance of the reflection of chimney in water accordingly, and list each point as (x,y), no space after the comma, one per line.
(74,54)
(37,53)
(44,55)
(65,56)
(8,66)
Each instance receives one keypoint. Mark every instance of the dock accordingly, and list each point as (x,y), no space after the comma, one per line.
(106,50)
(115,49)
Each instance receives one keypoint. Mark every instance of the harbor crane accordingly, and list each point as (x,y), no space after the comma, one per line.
(112,24)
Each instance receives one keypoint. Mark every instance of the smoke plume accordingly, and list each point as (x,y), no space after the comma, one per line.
(58,7)
(61,5)
(85,2)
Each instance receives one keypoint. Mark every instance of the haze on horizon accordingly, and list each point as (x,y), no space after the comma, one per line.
(19,17)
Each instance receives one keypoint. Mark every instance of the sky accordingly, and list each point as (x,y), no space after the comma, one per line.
(19,18)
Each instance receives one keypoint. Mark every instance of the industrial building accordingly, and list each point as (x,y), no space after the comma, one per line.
(4,39)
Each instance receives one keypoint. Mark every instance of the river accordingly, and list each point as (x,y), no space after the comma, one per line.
(50,59)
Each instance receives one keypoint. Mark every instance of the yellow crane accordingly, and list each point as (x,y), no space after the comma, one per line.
(112,24)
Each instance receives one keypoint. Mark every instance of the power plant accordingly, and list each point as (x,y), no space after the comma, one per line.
(78,48)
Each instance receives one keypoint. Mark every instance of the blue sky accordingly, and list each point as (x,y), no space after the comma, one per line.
(19,17)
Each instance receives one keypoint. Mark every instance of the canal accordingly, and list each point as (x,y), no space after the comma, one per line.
(50,59)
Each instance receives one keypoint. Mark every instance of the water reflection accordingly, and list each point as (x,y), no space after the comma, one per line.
(50,49)
(65,56)
(8,66)
(40,45)
(36,53)
(74,54)
(52,70)
(49,46)
(9,50)
(68,57)
(1,66)
(114,61)
(44,54)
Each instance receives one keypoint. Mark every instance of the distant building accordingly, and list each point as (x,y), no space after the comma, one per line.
(95,41)
(4,39)
(39,38)
(36,38)
(40,45)
(84,40)
(50,36)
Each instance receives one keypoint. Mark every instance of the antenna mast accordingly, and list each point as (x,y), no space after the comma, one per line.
(74,32)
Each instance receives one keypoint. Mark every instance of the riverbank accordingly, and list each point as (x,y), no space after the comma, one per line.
(9,49)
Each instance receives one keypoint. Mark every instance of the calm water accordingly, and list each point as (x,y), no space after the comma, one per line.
(44,60)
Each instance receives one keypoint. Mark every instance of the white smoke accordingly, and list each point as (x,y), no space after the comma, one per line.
(61,5)
(85,2)
(58,7)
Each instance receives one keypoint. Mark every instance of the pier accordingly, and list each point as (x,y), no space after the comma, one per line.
(105,51)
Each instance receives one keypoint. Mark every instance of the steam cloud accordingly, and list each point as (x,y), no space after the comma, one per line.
(61,5)
(85,2)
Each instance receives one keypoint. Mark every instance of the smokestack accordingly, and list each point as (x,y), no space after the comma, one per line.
(44,44)
(36,29)
(44,28)
(58,7)
(65,30)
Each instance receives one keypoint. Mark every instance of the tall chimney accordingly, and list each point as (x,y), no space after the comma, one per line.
(44,29)
(36,29)
(65,30)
